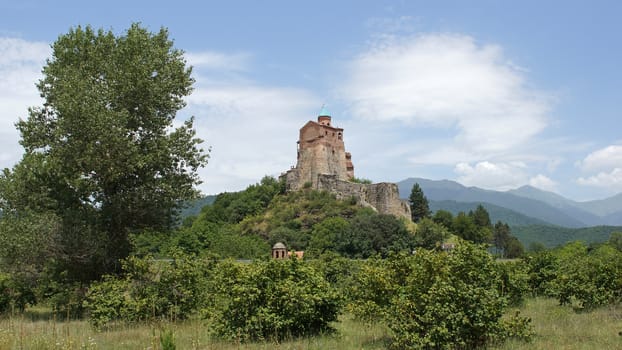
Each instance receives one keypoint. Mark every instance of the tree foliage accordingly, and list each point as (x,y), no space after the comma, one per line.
(587,279)
(480,216)
(418,203)
(615,240)
(439,300)
(150,290)
(443,217)
(100,154)
(271,300)
(430,235)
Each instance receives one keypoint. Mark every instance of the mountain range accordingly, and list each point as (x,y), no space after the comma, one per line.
(527,205)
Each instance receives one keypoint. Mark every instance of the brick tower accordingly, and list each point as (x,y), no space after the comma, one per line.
(320,151)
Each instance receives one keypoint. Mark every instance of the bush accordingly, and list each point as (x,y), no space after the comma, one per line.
(449,301)
(588,280)
(148,290)
(439,300)
(541,270)
(14,294)
(514,281)
(273,300)
(65,297)
(337,270)
(372,289)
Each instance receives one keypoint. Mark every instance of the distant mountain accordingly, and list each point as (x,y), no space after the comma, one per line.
(604,207)
(450,190)
(568,206)
(550,198)
(496,212)
(606,211)
(193,208)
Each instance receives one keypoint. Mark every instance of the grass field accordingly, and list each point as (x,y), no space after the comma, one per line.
(561,328)
(556,328)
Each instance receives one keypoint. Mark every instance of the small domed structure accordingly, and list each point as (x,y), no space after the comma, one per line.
(279,251)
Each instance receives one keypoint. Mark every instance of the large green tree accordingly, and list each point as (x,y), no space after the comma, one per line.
(430,234)
(102,154)
(419,207)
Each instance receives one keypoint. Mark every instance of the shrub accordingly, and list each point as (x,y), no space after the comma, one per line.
(337,270)
(270,300)
(450,301)
(542,269)
(588,280)
(149,289)
(514,280)
(371,292)
(15,294)
(437,299)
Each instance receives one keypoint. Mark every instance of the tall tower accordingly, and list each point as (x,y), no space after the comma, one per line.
(320,151)
(323,164)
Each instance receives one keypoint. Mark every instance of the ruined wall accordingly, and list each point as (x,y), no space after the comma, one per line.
(383,197)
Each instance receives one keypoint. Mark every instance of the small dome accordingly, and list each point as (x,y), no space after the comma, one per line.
(279,245)
(324,112)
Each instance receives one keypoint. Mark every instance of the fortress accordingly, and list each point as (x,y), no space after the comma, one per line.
(324,164)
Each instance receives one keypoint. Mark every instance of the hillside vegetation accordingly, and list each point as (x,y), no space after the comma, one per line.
(496,212)
(553,236)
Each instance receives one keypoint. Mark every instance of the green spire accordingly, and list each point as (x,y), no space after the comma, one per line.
(324,112)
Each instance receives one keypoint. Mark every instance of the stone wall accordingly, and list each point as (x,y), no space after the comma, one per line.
(382,197)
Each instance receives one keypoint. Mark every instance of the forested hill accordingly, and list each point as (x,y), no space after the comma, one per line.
(553,236)
(496,212)
(193,208)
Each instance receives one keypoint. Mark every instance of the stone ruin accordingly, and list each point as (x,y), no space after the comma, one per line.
(324,164)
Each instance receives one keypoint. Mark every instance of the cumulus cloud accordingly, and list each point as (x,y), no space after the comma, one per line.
(543,182)
(447,81)
(603,159)
(497,176)
(605,166)
(612,179)
(21,62)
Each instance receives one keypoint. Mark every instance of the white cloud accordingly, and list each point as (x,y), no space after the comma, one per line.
(497,176)
(603,159)
(21,62)
(218,61)
(251,128)
(605,166)
(612,179)
(543,182)
(451,82)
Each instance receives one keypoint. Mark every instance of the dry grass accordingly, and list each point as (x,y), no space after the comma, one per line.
(559,327)
(25,333)
(556,328)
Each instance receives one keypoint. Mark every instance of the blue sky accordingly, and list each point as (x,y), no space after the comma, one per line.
(494,94)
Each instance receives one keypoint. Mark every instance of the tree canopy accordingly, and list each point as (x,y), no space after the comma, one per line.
(101,153)
(418,203)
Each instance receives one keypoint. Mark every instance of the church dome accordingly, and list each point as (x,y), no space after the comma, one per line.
(279,245)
